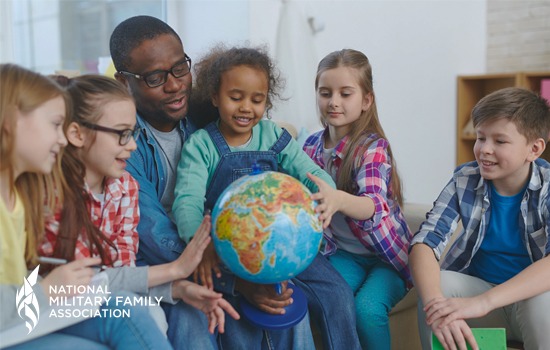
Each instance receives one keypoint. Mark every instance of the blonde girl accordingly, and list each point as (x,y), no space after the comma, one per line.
(367,237)
(32,111)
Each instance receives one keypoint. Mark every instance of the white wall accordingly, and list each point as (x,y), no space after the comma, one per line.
(39,21)
(203,23)
(518,36)
(417,48)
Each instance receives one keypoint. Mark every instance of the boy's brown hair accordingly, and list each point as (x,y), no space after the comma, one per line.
(527,110)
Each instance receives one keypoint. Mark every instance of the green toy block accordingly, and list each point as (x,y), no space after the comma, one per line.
(487,339)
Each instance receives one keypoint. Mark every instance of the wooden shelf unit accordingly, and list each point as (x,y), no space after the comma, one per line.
(471,88)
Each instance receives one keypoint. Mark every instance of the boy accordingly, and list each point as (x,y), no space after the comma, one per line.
(497,272)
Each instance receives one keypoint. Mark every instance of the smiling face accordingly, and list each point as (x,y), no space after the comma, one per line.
(241,101)
(340,99)
(162,106)
(102,154)
(504,155)
(39,137)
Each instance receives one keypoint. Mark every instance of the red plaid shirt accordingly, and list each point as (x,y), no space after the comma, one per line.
(117,220)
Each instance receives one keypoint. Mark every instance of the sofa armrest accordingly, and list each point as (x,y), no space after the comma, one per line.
(415,214)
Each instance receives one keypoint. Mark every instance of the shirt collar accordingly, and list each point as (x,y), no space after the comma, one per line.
(339,148)
(535,180)
(113,189)
(186,127)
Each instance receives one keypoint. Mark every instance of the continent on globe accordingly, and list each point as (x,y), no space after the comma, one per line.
(265,228)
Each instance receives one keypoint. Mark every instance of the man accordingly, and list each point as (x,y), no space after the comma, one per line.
(150,60)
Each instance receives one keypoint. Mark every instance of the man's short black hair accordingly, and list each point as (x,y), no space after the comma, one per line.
(130,33)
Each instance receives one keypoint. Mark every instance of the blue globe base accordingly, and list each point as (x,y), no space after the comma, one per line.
(295,312)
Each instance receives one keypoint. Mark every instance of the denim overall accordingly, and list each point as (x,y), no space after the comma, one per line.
(234,165)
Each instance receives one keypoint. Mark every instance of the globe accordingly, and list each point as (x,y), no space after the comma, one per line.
(265,229)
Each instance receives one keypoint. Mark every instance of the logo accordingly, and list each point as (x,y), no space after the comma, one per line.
(26,303)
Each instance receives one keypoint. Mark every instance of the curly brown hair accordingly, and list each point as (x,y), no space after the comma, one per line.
(210,68)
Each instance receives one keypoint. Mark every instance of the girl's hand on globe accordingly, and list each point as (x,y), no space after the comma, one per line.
(193,253)
(328,200)
(210,261)
(264,296)
(331,200)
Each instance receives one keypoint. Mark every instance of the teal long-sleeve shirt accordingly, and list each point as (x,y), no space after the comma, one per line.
(200,157)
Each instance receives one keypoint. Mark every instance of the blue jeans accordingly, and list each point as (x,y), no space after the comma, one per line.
(331,304)
(59,341)
(188,327)
(242,334)
(377,287)
(138,331)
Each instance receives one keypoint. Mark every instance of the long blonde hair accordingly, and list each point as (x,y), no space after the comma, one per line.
(23,91)
(367,123)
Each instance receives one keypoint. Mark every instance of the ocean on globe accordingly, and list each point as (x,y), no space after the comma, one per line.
(265,229)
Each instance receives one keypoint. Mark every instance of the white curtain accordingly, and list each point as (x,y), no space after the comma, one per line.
(296,58)
(6,37)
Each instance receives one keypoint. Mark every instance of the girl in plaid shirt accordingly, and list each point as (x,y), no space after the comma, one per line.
(101,198)
(367,237)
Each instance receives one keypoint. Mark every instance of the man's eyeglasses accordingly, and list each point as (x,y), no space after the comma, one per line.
(124,136)
(159,77)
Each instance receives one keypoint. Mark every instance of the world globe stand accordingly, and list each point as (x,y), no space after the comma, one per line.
(294,313)
(265,230)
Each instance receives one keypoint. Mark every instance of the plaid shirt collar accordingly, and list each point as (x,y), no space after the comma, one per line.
(535,181)
(114,190)
(317,152)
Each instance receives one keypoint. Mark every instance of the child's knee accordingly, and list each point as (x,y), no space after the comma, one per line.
(372,313)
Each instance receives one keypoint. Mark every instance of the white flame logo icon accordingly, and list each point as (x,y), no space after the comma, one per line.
(26,303)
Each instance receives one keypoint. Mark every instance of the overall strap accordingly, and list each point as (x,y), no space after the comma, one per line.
(281,142)
(217,138)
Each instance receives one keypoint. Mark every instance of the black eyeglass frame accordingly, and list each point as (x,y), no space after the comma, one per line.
(144,77)
(124,136)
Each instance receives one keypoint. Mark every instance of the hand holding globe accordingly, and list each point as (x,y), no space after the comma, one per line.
(266,231)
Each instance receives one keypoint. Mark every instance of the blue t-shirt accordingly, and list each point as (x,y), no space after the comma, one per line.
(502,254)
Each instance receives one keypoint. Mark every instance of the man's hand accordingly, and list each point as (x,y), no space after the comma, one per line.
(264,296)
(210,261)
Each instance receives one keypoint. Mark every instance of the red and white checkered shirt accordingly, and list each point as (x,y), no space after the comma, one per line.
(117,218)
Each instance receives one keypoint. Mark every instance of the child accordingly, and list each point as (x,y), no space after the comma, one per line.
(368,234)
(241,83)
(32,112)
(497,272)
(102,198)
